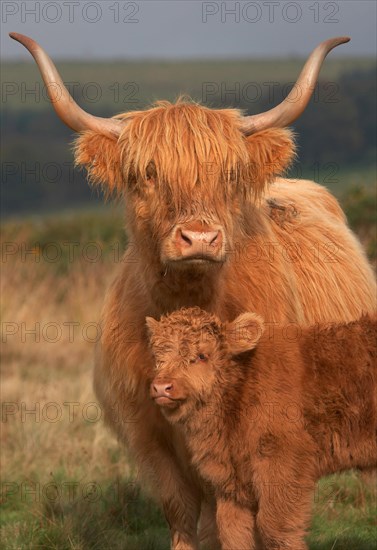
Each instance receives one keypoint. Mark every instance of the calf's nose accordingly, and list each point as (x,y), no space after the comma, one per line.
(162,388)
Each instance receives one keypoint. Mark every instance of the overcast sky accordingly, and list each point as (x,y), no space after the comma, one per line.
(110,29)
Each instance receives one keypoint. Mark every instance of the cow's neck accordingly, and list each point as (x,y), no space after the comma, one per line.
(172,288)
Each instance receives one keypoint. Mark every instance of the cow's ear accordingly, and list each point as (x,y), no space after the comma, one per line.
(244,332)
(100,156)
(271,152)
(152,324)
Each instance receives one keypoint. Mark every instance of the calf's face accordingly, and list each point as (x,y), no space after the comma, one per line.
(193,350)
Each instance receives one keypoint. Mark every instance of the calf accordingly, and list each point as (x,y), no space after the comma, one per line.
(264,413)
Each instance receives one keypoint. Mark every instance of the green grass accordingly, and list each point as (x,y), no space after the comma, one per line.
(69,235)
(120,518)
(345,512)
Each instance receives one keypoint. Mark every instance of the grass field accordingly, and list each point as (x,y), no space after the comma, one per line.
(66,482)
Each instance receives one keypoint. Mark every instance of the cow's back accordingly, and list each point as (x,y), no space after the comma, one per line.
(306,266)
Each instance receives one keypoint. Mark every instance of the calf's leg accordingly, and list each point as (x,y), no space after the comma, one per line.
(284,509)
(236,526)
(208,535)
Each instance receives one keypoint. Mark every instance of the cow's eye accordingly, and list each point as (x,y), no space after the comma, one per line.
(150,174)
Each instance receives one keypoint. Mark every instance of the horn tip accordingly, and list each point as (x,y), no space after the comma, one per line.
(19,37)
(332,43)
(340,40)
(26,41)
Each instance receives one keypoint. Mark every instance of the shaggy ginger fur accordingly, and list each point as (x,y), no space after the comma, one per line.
(186,167)
(262,426)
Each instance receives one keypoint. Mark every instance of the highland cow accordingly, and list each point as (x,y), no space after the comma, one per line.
(210,223)
(263,416)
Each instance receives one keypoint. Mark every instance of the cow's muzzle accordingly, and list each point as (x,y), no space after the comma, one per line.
(196,244)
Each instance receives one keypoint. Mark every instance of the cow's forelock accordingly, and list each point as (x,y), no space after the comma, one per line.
(191,155)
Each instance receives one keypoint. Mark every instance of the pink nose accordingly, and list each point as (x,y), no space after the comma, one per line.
(198,244)
(192,238)
(161,389)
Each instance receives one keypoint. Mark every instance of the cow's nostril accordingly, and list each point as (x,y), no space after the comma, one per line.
(200,238)
(215,238)
(186,238)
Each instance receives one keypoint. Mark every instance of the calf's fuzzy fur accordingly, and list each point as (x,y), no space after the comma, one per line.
(265,412)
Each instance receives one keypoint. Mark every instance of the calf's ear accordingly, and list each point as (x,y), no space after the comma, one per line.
(244,332)
(101,156)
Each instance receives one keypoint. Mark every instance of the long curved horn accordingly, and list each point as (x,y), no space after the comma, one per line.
(65,106)
(295,103)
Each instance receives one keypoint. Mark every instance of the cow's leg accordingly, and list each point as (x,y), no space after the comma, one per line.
(178,495)
(236,526)
(181,505)
(159,455)
(155,450)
